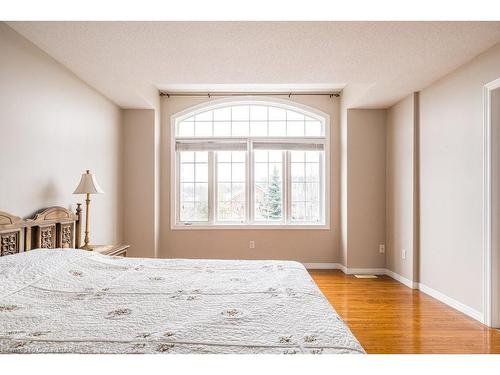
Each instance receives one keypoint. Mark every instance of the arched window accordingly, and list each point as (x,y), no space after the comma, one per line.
(249,162)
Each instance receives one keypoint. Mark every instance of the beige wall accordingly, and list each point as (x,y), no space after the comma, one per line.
(451,180)
(400,188)
(139,188)
(365,184)
(53,127)
(300,245)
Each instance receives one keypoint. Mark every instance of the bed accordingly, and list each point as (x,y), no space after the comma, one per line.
(73,301)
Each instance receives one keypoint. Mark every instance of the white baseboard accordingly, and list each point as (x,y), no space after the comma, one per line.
(469,311)
(402,279)
(342,267)
(452,302)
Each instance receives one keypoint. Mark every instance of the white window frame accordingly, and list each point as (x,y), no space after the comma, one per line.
(211,224)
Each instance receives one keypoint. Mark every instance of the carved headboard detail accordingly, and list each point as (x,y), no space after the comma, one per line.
(54,227)
(11,234)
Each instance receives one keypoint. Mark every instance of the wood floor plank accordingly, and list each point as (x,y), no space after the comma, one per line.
(388,317)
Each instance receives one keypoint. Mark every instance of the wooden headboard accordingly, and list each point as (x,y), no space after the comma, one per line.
(12,234)
(54,227)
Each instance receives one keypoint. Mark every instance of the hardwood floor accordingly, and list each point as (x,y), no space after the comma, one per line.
(388,317)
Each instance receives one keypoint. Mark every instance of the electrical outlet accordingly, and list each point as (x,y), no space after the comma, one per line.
(381,248)
(403,254)
(251,244)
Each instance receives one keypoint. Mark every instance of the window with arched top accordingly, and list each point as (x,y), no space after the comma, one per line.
(252,162)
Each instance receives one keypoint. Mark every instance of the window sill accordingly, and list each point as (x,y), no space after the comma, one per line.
(251,227)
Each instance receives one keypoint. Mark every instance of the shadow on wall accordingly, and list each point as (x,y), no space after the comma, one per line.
(49,194)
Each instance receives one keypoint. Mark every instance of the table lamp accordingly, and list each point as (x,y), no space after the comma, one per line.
(88,185)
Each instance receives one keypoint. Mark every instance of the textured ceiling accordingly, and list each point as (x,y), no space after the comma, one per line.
(381,61)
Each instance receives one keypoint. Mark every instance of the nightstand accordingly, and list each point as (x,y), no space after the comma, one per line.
(115,250)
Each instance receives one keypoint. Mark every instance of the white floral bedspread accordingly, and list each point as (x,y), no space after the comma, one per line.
(74,301)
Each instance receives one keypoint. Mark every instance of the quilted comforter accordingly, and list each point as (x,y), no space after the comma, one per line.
(74,301)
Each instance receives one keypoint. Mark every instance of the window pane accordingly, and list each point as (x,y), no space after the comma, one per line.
(312,212)
(311,192)
(224,172)
(238,210)
(312,172)
(313,128)
(186,129)
(238,157)
(298,173)
(306,180)
(187,211)
(194,211)
(224,211)
(258,113)
(238,172)
(193,186)
(204,116)
(277,114)
(222,114)
(201,211)
(261,173)
(203,129)
(224,156)
(268,186)
(222,129)
(187,156)
(241,113)
(277,128)
(187,191)
(298,156)
(201,156)
(298,192)
(260,156)
(238,192)
(201,192)
(294,116)
(312,156)
(240,129)
(274,168)
(275,156)
(260,190)
(187,172)
(224,192)
(255,120)
(298,211)
(295,129)
(231,182)
(201,173)
(258,128)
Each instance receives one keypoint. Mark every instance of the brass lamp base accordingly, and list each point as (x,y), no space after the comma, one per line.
(87,247)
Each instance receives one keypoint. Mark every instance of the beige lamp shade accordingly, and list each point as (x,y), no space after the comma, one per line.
(88,185)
